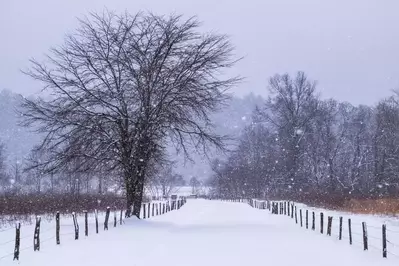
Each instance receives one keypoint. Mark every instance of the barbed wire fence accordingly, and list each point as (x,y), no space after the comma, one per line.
(15,240)
(353,231)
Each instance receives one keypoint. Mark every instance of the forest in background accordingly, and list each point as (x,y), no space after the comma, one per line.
(302,147)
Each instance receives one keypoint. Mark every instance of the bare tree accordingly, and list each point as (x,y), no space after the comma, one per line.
(124,85)
(165,180)
(289,111)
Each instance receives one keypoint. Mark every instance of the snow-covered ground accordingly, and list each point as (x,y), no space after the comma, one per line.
(202,233)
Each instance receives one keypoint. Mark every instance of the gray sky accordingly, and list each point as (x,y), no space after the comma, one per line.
(350,46)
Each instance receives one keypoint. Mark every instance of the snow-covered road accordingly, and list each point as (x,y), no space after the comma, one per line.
(205,233)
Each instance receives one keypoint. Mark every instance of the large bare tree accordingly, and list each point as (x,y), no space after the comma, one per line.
(122,86)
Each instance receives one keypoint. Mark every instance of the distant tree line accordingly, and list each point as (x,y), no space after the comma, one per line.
(299,146)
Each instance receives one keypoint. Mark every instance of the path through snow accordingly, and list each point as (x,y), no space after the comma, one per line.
(205,233)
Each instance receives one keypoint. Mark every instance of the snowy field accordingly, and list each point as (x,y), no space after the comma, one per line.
(374,229)
(202,233)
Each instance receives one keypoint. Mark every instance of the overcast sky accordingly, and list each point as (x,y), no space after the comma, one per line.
(350,46)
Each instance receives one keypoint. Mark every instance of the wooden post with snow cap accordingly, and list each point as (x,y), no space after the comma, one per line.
(36,236)
(107,218)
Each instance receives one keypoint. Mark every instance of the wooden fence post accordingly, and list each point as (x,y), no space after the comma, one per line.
(307,219)
(76,225)
(107,218)
(96,217)
(288,209)
(292,210)
(115,218)
(57,228)
(350,231)
(384,241)
(163,208)
(285,208)
(296,215)
(36,236)
(313,221)
(300,217)
(153,210)
(149,210)
(321,223)
(156,211)
(121,218)
(329,225)
(340,228)
(86,223)
(365,238)
(17,241)
(144,214)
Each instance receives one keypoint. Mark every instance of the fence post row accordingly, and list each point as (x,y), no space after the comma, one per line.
(17,241)
(36,236)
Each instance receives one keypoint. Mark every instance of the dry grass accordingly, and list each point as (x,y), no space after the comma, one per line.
(385,206)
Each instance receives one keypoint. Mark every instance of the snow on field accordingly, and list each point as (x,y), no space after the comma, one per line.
(374,228)
(204,233)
